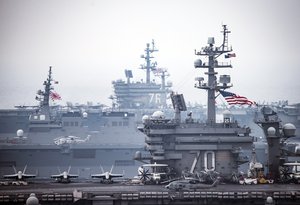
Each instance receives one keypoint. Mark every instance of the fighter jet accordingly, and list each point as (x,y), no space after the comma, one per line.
(64,176)
(20,175)
(106,176)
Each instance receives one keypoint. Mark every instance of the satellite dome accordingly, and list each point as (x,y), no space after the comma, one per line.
(138,155)
(271,131)
(84,115)
(197,63)
(32,200)
(20,133)
(145,118)
(289,130)
(158,115)
(269,200)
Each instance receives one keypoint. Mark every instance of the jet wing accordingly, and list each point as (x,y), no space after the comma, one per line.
(72,175)
(116,175)
(28,175)
(10,176)
(56,176)
(99,176)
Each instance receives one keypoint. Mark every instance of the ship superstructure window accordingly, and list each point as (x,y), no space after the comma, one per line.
(120,123)
(71,124)
(42,117)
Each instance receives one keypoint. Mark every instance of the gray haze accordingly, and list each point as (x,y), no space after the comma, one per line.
(90,43)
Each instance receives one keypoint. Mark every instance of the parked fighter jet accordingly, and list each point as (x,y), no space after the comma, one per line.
(106,177)
(64,176)
(20,175)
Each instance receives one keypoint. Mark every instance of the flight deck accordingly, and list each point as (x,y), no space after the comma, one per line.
(124,193)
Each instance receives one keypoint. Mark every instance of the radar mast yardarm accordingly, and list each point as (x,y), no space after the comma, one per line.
(149,66)
(212,86)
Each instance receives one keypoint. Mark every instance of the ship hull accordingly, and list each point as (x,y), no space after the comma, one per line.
(84,160)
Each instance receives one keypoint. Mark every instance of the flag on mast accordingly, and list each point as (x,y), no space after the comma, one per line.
(54,96)
(230,55)
(234,99)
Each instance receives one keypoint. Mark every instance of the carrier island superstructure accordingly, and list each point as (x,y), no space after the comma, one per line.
(195,146)
(143,95)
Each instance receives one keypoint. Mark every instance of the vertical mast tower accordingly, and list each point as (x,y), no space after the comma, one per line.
(149,66)
(44,96)
(212,86)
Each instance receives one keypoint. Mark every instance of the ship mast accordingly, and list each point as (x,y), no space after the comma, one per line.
(149,66)
(212,86)
(44,96)
(163,74)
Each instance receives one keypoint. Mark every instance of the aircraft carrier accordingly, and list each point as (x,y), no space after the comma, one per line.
(45,137)
(186,145)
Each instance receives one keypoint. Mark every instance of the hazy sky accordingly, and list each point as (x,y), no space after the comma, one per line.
(90,43)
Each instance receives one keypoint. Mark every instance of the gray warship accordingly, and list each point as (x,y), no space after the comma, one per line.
(193,146)
(45,137)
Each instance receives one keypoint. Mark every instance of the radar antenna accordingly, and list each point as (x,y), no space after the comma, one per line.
(43,96)
(149,65)
(212,86)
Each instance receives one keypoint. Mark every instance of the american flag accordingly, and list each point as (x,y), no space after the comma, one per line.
(230,55)
(234,99)
(54,96)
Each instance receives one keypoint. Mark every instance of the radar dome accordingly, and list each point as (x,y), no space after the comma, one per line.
(158,115)
(145,118)
(84,115)
(269,200)
(20,133)
(289,130)
(271,131)
(32,200)
(197,63)
(138,155)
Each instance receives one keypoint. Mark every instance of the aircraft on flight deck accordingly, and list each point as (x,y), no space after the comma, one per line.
(107,176)
(64,176)
(158,174)
(19,175)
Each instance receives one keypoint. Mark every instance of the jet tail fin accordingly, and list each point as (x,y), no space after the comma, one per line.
(69,169)
(24,169)
(59,170)
(14,169)
(101,168)
(112,167)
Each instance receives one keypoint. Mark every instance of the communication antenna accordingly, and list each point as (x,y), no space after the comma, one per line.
(212,86)
(149,65)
